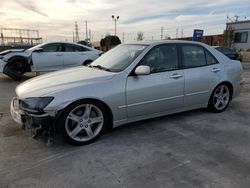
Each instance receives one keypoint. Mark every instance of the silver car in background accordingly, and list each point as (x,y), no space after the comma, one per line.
(129,83)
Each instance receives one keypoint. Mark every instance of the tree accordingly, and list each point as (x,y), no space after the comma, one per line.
(83,42)
(167,37)
(109,42)
(228,36)
(140,36)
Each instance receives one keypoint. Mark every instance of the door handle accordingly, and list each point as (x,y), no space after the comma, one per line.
(215,70)
(175,76)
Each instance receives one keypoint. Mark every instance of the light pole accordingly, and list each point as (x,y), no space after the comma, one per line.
(115,18)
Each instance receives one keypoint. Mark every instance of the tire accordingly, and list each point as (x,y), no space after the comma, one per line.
(83,122)
(220,98)
(8,70)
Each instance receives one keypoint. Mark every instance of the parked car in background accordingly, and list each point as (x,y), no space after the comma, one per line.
(230,53)
(46,57)
(130,82)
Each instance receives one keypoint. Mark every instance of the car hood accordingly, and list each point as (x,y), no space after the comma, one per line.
(61,80)
(10,51)
(7,56)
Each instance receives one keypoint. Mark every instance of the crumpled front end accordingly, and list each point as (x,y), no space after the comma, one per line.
(42,124)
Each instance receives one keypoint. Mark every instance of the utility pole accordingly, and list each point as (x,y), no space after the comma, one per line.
(236,18)
(86,25)
(73,36)
(152,37)
(76,32)
(90,35)
(123,37)
(182,34)
(177,33)
(161,33)
(115,18)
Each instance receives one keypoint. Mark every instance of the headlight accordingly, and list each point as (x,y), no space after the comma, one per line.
(35,104)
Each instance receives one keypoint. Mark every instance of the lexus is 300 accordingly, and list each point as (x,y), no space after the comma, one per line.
(129,83)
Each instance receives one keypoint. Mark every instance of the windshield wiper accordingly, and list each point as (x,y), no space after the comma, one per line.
(100,67)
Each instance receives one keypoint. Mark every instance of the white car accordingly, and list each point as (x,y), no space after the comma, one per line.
(46,57)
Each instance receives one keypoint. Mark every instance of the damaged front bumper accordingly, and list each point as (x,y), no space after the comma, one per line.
(43,122)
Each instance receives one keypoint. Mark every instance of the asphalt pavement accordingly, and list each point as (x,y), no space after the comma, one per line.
(190,149)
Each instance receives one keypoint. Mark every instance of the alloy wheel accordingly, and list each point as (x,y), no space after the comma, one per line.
(221,97)
(84,122)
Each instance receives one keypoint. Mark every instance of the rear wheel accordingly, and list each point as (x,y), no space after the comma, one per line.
(220,98)
(83,122)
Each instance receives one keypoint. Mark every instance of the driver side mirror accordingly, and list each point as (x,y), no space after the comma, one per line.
(38,50)
(142,70)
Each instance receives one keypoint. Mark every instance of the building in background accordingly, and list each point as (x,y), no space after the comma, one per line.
(212,40)
(241,30)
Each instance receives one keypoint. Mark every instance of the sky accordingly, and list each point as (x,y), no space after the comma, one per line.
(55,19)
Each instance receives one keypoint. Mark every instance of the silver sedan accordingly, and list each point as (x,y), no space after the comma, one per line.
(129,83)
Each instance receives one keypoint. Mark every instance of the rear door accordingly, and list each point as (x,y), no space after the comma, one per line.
(75,55)
(160,91)
(51,58)
(202,73)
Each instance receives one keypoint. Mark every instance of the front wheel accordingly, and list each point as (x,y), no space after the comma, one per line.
(220,98)
(83,122)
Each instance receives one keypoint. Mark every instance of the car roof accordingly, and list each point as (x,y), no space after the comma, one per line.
(90,48)
(156,42)
(62,43)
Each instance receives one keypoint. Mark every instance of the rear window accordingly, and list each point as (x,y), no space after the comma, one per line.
(193,56)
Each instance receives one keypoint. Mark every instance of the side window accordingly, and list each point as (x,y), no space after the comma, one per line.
(52,48)
(193,56)
(161,58)
(75,48)
(210,59)
(71,48)
(82,49)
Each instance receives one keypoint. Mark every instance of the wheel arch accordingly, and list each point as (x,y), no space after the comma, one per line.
(230,86)
(227,83)
(105,105)
(24,60)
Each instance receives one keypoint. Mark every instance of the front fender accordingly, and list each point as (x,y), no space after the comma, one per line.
(2,65)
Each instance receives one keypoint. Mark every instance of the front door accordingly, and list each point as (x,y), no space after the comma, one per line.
(51,58)
(160,91)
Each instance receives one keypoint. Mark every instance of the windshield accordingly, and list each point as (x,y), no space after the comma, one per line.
(119,58)
(34,47)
